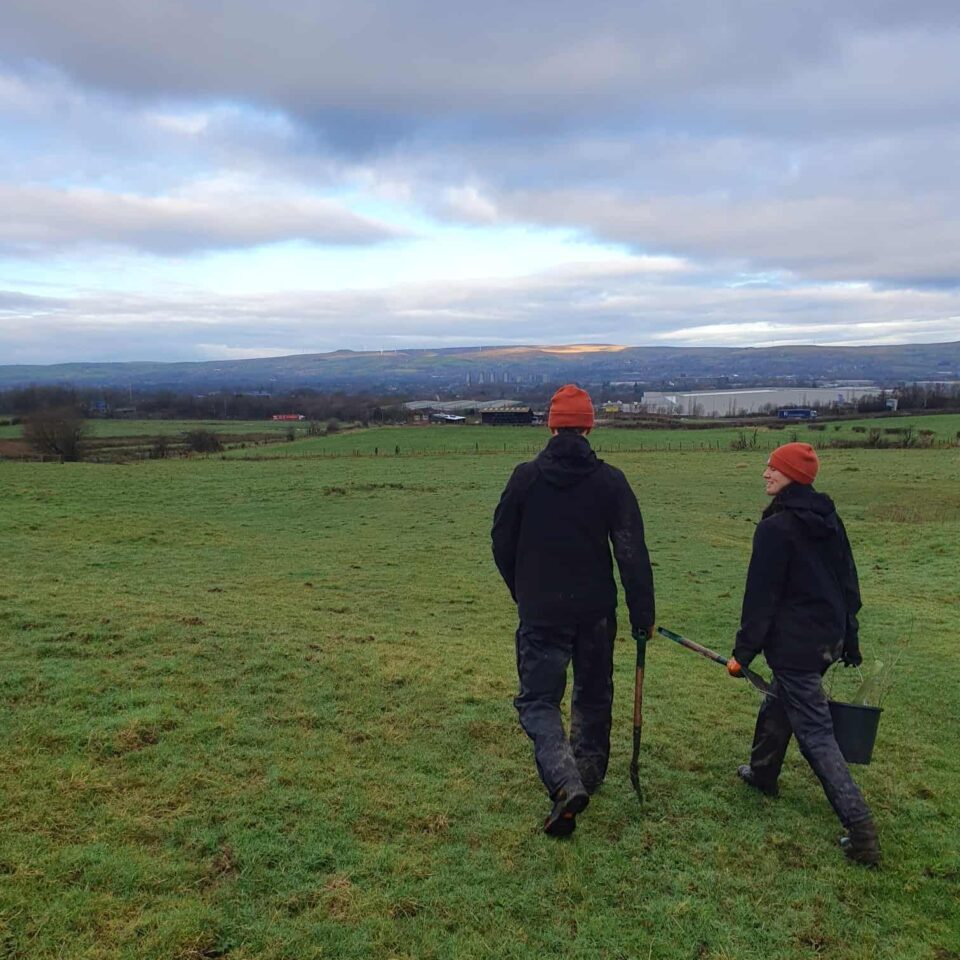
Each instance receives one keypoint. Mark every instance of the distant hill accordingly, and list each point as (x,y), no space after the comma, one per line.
(446,368)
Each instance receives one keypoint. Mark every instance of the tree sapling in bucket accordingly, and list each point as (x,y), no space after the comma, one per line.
(856,718)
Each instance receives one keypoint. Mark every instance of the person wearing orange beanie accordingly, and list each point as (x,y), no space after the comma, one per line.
(552,533)
(796,461)
(800,610)
(571,407)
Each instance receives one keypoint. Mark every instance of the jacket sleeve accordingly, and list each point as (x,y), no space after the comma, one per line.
(851,593)
(766,579)
(633,559)
(506,528)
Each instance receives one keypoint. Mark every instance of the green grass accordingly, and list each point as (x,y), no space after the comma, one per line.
(153,428)
(263,709)
(465,439)
(609,441)
(110,429)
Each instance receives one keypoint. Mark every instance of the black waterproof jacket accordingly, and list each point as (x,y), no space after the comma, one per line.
(551,538)
(802,595)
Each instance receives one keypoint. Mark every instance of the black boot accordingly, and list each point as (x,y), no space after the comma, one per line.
(746,774)
(563,817)
(861,844)
(591,773)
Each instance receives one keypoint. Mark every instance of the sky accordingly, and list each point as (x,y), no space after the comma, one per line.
(210,179)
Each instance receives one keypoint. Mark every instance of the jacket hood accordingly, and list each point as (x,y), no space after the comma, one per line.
(816,511)
(567,459)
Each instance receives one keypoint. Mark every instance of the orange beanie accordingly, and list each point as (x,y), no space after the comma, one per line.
(571,407)
(798,461)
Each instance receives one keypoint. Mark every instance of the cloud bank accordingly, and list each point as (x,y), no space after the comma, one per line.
(795,163)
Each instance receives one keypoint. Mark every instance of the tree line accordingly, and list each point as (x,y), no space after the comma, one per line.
(221,405)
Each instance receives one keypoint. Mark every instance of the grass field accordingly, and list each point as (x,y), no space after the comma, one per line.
(262,709)
(117,441)
(466,439)
(437,439)
(109,429)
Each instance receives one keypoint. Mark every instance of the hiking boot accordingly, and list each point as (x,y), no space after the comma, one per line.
(563,817)
(746,774)
(861,844)
(591,773)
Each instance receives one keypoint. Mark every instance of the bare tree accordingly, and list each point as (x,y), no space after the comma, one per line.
(55,431)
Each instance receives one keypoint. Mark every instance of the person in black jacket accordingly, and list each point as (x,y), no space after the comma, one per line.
(551,535)
(800,610)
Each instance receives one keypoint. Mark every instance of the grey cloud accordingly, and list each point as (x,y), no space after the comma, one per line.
(368,73)
(55,126)
(724,110)
(868,238)
(42,219)
(883,209)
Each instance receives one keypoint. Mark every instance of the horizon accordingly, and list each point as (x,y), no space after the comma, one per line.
(508,351)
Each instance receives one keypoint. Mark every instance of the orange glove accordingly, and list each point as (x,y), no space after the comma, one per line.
(733,668)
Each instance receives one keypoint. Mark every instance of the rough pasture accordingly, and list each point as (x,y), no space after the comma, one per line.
(263,710)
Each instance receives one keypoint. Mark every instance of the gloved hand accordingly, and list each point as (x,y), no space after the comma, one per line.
(642,633)
(733,668)
(851,657)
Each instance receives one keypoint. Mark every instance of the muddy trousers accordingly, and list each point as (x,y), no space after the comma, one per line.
(543,655)
(800,708)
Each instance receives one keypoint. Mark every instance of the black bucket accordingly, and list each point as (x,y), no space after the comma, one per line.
(855,727)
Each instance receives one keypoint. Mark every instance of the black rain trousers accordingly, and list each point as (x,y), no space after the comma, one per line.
(799,708)
(543,655)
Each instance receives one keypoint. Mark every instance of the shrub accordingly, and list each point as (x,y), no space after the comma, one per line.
(202,441)
(55,431)
(160,448)
(743,442)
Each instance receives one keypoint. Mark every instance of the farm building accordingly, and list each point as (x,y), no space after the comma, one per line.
(491,412)
(506,416)
(729,403)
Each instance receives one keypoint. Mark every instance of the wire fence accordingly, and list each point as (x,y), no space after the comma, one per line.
(690,445)
(676,446)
